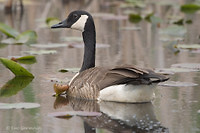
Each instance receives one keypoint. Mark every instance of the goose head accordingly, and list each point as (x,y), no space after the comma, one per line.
(78,20)
(82,21)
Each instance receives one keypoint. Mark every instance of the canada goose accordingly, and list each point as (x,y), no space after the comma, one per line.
(120,84)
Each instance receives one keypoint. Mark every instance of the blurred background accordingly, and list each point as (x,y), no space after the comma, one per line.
(138,32)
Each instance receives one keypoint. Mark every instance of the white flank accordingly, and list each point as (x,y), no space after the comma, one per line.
(80,23)
(128,93)
(73,78)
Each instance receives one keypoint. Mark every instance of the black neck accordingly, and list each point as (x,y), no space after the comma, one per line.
(89,38)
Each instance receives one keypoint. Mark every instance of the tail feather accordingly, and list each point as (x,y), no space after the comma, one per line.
(155,77)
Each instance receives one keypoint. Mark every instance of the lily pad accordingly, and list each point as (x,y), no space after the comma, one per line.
(135,18)
(19,105)
(173,70)
(27,37)
(177,84)
(49,45)
(174,30)
(155,20)
(68,114)
(72,39)
(191,66)
(188,46)
(69,70)
(130,28)
(190,8)
(29,59)
(179,22)
(9,41)
(9,31)
(40,52)
(51,21)
(17,69)
(13,86)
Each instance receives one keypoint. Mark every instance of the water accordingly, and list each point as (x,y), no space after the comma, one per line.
(175,109)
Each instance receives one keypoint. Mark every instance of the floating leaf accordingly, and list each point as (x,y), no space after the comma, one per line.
(13,86)
(72,39)
(189,21)
(177,84)
(9,41)
(7,30)
(173,70)
(130,28)
(136,3)
(174,30)
(135,18)
(190,8)
(191,66)
(49,45)
(179,22)
(29,59)
(147,18)
(171,38)
(74,113)
(40,52)
(27,37)
(17,69)
(188,46)
(69,70)
(155,20)
(51,21)
(19,105)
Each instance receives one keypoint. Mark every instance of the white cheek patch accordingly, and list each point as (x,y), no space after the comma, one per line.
(80,23)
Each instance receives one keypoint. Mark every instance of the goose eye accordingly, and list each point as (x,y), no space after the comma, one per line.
(75,16)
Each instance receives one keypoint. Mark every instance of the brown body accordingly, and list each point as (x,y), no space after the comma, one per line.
(89,83)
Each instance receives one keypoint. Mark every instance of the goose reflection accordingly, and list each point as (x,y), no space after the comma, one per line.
(116,117)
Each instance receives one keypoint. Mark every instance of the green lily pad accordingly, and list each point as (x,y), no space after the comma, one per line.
(190,8)
(19,105)
(69,70)
(72,39)
(49,45)
(135,18)
(188,46)
(179,22)
(29,59)
(177,84)
(148,16)
(7,30)
(17,69)
(69,114)
(40,52)
(13,86)
(27,37)
(174,30)
(51,21)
